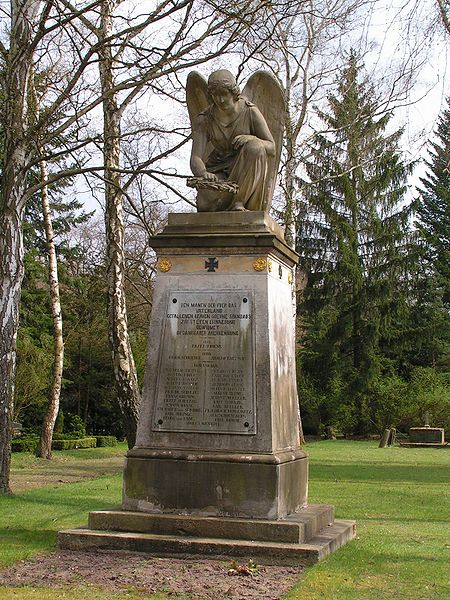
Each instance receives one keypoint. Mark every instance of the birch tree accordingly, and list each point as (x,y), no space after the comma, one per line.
(44,448)
(55,33)
(18,59)
(181,50)
(123,361)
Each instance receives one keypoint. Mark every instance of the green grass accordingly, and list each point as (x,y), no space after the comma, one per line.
(399,498)
(70,466)
(21,460)
(29,521)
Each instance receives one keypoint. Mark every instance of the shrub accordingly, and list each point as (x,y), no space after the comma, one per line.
(106,440)
(75,427)
(86,442)
(429,392)
(27,444)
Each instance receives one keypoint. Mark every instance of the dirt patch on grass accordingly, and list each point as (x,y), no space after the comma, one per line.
(192,577)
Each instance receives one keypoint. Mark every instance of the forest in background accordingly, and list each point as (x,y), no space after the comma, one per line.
(373,322)
(372,282)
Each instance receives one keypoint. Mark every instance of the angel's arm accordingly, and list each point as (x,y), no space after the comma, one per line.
(262,131)
(199,143)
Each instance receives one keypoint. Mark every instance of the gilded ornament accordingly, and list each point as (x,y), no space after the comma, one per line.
(269,265)
(290,278)
(260,264)
(164,265)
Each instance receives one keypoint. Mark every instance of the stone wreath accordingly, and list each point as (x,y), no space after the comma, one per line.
(219,186)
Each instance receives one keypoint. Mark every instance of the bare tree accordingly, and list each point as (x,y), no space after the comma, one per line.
(444,12)
(305,53)
(123,362)
(147,48)
(18,61)
(44,449)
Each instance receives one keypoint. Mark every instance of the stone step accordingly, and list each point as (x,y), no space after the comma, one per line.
(329,539)
(425,445)
(296,528)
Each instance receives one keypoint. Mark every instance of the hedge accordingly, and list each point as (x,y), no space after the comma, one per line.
(24,445)
(106,440)
(87,442)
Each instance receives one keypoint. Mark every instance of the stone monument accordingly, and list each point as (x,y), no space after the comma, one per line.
(425,437)
(218,467)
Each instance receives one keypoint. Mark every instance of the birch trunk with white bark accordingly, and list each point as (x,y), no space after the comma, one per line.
(44,449)
(17,71)
(123,362)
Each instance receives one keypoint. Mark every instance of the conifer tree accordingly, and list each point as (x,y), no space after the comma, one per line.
(433,205)
(354,247)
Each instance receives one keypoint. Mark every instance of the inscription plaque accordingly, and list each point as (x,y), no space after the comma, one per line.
(206,370)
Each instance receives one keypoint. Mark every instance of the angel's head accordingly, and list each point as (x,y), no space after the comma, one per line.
(223,81)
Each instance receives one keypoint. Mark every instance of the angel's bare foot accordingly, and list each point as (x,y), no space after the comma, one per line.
(238,206)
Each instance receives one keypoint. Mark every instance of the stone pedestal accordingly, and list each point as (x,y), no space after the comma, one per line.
(218,437)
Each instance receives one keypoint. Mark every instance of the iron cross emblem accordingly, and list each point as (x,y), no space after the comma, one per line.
(211,264)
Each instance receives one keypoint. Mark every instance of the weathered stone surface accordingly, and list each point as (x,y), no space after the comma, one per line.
(240,489)
(430,435)
(218,468)
(327,540)
(297,528)
(237,223)
(425,437)
(220,375)
(206,369)
(236,148)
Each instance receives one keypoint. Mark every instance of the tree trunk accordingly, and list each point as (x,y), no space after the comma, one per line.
(44,449)
(123,362)
(17,71)
(11,273)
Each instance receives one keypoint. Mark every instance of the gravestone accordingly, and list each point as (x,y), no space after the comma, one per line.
(218,467)
(425,436)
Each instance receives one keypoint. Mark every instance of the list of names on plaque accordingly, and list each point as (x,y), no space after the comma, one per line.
(206,369)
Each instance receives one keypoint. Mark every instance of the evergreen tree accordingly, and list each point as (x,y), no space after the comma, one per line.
(355,248)
(433,205)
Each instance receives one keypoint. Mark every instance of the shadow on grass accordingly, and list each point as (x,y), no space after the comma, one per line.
(24,537)
(377,473)
(403,520)
(406,554)
(49,500)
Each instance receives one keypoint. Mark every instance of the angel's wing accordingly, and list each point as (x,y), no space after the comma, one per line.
(264,90)
(196,94)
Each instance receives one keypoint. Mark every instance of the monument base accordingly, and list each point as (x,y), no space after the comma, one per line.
(301,538)
(218,468)
(259,487)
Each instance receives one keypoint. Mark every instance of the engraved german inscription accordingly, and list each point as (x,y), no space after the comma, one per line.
(206,369)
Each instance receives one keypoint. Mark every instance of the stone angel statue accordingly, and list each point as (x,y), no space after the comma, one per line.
(236,140)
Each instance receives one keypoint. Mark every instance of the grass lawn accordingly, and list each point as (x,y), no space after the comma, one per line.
(399,497)
(400,500)
(29,472)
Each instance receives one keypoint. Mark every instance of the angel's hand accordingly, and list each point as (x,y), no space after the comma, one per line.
(240,140)
(209,176)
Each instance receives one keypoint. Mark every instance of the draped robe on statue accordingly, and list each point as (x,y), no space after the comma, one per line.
(246,166)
